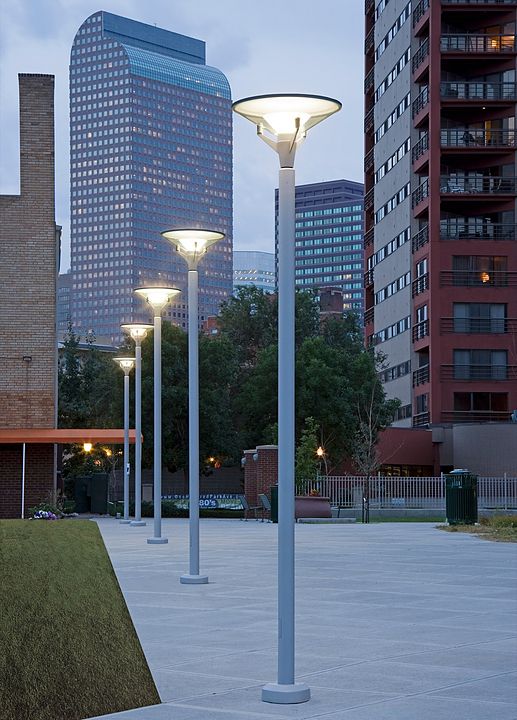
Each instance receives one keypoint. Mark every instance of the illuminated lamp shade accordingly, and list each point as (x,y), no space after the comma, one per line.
(191,241)
(126,363)
(157,297)
(138,331)
(87,447)
(286,115)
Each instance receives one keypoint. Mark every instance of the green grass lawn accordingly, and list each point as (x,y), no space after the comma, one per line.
(501,528)
(68,647)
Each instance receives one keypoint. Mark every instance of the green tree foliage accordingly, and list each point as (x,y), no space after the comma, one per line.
(306,461)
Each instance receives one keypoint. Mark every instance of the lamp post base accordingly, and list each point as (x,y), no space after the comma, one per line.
(193,579)
(138,523)
(124,522)
(286,694)
(157,541)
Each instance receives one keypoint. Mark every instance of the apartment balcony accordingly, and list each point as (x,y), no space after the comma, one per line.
(368,120)
(478,326)
(420,102)
(476,92)
(420,239)
(420,330)
(420,194)
(369,6)
(421,147)
(368,238)
(368,278)
(420,285)
(368,161)
(420,10)
(462,416)
(487,185)
(368,200)
(421,376)
(475,230)
(421,419)
(477,139)
(478,2)
(474,44)
(473,373)
(478,278)
(368,316)
(420,57)
(369,41)
(368,81)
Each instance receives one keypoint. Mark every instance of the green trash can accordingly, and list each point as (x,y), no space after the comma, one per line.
(461,499)
(274,503)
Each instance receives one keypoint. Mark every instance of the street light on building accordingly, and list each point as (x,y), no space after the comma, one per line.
(158,298)
(286,119)
(192,245)
(138,331)
(127,364)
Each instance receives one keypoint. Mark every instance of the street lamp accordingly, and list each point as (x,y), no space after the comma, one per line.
(138,331)
(192,245)
(127,364)
(286,118)
(158,298)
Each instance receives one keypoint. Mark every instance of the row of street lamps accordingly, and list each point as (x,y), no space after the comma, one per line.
(282,121)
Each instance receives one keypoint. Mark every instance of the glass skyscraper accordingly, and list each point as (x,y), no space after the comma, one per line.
(329,238)
(254,267)
(151,149)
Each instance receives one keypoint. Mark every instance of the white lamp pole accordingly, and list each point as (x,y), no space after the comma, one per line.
(158,298)
(127,364)
(138,331)
(192,244)
(286,118)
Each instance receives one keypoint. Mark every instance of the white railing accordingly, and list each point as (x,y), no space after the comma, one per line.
(410,492)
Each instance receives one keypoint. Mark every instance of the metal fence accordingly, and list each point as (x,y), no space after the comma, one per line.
(497,493)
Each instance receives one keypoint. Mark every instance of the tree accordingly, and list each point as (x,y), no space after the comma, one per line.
(306,460)
(248,320)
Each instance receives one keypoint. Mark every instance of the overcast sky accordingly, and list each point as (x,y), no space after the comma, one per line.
(263,46)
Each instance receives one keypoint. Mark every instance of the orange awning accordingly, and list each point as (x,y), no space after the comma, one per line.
(63,436)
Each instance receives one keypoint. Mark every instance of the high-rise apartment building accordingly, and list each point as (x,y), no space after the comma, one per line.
(254,267)
(440,240)
(329,238)
(151,149)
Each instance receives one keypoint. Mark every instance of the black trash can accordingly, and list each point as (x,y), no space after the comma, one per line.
(461,498)
(274,503)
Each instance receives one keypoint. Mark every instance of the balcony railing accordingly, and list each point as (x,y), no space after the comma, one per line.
(477,326)
(421,376)
(368,120)
(421,419)
(420,55)
(420,239)
(485,185)
(420,148)
(420,285)
(368,238)
(368,199)
(420,11)
(368,278)
(420,330)
(478,278)
(478,2)
(368,81)
(368,316)
(368,43)
(472,372)
(477,138)
(453,230)
(368,160)
(369,6)
(477,91)
(478,43)
(455,416)
(420,193)
(420,102)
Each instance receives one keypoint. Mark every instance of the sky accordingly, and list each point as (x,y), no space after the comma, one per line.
(271,46)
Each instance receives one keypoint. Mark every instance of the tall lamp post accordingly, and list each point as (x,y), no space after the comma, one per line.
(127,364)
(286,118)
(138,331)
(192,245)
(158,298)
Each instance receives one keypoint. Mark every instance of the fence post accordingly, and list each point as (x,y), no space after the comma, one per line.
(505,492)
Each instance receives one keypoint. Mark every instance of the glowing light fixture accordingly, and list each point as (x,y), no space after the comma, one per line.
(157,297)
(87,447)
(192,244)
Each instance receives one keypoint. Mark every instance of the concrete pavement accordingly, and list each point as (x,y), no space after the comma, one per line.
(395,621)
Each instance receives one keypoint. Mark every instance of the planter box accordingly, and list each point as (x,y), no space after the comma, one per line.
(312,506)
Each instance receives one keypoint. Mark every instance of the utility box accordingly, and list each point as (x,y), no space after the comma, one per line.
(461,498)
(91,494)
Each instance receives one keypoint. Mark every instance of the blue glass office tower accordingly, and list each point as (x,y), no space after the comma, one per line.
(151,148)
(329,238)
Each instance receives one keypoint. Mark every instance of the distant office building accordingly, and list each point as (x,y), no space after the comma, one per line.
(64,303)
(252,267)
(151,149)
(329,238)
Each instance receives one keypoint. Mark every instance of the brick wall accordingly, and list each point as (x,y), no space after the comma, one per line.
(39,466)
(28,256)
(250,478)
(260,472)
